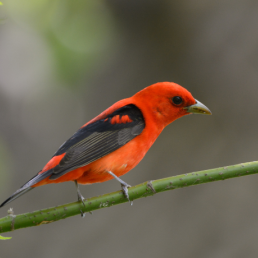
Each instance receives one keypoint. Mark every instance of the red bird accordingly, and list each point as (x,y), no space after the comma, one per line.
(115,141)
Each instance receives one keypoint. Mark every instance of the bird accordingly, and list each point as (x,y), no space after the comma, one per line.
(115,141)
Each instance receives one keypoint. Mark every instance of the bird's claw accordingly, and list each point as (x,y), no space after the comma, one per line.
(123,184)
(82,214)
(125,191)
(81,199)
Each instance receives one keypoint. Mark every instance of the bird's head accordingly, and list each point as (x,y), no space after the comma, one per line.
(169,101)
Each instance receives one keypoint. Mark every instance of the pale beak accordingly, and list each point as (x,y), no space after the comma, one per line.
(198,108)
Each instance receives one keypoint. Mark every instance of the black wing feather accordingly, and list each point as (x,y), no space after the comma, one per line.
(98,139)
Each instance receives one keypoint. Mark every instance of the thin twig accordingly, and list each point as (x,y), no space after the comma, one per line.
(11,222)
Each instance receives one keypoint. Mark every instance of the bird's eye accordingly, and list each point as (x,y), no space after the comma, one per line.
(177,100)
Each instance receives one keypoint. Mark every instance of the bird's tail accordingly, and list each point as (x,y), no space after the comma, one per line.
(27,187)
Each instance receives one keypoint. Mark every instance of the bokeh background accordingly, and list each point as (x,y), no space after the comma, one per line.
(63,62)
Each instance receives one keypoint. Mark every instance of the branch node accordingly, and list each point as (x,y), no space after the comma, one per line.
(11,214)
(150,186)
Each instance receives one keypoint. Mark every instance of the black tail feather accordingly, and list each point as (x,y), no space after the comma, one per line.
(15,195)
(28,186)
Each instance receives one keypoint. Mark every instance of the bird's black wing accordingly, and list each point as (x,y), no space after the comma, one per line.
(99,138)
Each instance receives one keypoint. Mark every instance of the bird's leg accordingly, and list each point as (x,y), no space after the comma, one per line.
(124,186)
(80,197)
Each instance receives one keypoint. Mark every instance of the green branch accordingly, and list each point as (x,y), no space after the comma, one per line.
(13,222)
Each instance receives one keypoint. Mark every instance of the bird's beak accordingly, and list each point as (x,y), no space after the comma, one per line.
(198,108)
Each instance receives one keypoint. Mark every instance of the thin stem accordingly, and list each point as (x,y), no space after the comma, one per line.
(13,222)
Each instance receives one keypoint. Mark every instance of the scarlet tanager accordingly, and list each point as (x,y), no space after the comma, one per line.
(115,141)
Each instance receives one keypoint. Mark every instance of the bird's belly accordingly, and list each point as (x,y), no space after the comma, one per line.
(96,172)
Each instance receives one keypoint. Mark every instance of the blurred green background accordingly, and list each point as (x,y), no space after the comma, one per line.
(63,62)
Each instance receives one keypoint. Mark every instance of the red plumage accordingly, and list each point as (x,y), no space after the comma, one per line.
(115,141)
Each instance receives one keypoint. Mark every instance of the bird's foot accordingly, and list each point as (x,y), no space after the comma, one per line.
(82,214)
(125,187)
(81,199)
